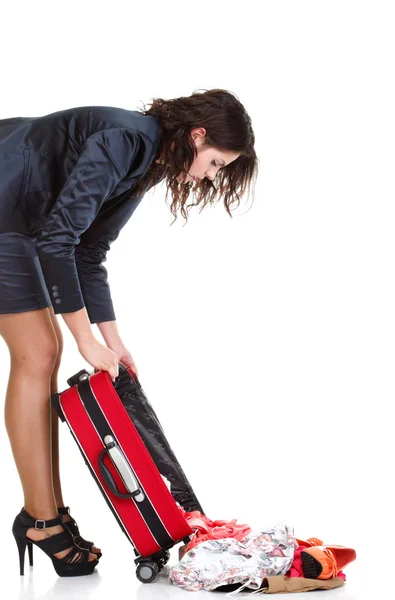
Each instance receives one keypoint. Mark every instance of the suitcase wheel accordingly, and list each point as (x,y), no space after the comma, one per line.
(147,571)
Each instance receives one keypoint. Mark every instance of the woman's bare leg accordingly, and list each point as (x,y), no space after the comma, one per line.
(54,416)
(57,486)
(33,349)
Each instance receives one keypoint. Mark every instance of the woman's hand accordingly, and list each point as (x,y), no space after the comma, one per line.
(124,356)
(100,357)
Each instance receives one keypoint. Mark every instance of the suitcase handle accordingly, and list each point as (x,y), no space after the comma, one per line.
(123,469)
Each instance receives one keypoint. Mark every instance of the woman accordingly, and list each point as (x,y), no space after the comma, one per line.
(69,181)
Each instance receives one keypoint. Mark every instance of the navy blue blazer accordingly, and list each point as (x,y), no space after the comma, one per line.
(65,178)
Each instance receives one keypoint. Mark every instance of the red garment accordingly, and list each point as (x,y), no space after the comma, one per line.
(205,529)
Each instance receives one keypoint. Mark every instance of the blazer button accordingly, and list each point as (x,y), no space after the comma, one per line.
(55,294)
(55,287)
(58,301)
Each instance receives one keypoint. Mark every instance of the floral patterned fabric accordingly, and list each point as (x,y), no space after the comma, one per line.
(214,563)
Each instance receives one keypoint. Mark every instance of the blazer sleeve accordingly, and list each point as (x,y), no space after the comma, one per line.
(106,158)
(90,255)
(93,279)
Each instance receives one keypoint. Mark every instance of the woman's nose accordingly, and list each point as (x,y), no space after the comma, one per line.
(211,174)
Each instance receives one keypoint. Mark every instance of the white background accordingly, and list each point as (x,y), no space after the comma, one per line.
(265,342)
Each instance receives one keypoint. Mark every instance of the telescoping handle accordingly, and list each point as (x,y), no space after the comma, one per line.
(84,374)
(123,369)
(122,466)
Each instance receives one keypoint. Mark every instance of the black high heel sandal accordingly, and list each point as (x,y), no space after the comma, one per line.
(76,562)
(72,528)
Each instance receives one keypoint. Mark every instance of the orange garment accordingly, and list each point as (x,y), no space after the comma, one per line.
(296,569)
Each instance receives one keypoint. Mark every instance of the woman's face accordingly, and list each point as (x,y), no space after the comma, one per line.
(208,161)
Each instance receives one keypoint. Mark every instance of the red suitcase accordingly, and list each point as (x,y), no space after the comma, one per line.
(123,467)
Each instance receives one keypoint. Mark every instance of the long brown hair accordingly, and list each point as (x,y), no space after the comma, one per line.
(228,127)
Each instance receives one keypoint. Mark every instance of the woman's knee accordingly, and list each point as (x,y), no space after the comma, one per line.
(41,357)
(58,358)
(31,340)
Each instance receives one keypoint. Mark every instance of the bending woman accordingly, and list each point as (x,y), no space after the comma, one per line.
(69,182)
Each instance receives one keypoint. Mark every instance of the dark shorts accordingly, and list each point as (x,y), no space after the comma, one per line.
(22,284)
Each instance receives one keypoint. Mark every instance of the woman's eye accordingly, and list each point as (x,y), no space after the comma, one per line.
(214,163)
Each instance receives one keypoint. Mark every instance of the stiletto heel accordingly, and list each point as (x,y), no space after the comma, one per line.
(75,562)
(30,549)
(21,543)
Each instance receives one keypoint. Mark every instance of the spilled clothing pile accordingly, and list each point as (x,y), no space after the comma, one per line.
(224,554)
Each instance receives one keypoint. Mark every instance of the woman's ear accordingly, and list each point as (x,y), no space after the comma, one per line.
(198,135)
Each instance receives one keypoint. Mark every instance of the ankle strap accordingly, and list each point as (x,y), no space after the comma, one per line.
(30,521)
(63,510)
